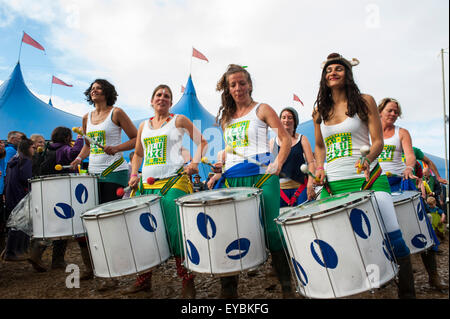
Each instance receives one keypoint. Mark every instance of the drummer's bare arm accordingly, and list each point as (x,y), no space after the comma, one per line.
(410,158)
(269,116)
(137,159)
(197,137)
(85,150)
(376,134)
(319,151)
(307,151)
(121,119)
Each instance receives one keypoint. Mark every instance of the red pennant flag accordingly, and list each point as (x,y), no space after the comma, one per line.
(60,82)
(199,55)
(29,40)
(182,89)
(296,98)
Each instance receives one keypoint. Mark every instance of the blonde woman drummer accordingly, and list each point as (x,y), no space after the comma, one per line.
(159,149)
(245,124)
(398,142)
(343,121)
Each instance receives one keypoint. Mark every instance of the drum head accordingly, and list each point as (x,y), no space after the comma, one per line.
(405,195)
(216,196)
(321,206)
(120,205)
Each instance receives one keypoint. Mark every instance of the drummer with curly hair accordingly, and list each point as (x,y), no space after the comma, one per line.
(245,124)
(160,152)
(344,119)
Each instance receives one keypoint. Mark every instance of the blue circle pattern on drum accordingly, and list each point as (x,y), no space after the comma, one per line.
(330,258)
(300,272)
(419,241)
(192,252)
(148,221)
(238,249)
(360,223)
(81,193)
(203,221)
(64,211)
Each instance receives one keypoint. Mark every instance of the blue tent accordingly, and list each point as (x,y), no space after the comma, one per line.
(21,110)
(190,106)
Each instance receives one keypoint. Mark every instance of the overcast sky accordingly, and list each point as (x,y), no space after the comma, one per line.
(139,44)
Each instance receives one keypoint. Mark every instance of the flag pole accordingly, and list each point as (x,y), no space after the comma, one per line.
(20,48)
(445,127)
(190,65)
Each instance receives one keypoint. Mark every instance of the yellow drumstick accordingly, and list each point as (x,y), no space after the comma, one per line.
(204,160)
(88,138)
(365,149)
(59,167)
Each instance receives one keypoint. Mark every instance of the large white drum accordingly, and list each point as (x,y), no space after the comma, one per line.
(223,230)
(411,216)
(57,202)
(337,245)
(126,236)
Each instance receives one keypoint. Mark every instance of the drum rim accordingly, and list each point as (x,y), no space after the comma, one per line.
(299,219)
(60,176)
(118,211)
(212,202)
(401,201)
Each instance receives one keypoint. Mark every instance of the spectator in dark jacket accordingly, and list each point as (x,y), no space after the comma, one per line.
(18,172)
(65,153)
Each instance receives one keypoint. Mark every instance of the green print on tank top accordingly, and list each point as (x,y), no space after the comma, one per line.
(99,137)
(156,150)
(236,135)
(387,155)
(338,145)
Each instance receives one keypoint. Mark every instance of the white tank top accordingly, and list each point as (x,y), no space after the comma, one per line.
(390,158)
(162,150)
(343,142)
(107,134)
(247,135)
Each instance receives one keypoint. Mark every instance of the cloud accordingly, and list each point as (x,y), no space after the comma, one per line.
(140,44)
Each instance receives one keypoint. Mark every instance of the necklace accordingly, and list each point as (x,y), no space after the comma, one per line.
(167,120)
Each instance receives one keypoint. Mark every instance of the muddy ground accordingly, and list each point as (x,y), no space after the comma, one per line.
(18,280)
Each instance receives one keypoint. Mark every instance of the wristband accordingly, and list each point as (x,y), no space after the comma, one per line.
(319,168)
(412,168)
(133,175)
(366,159)
(79,158)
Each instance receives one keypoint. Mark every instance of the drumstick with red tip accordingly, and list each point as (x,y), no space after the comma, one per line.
(365,149)
(305,170)
(88,138)
(121,191)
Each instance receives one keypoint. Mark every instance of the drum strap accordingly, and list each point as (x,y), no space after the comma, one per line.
(262,180)
(112,167)
(297,193)
(172,181)
(374,174)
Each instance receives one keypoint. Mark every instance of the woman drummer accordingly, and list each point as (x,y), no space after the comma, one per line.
(343,121)
(165,131)
(397,141)
(296,187)
(104,125)
(245,124)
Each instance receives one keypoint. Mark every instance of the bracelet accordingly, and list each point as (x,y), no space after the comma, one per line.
(412,168)
(133,175)
(366,159)
(319,168)
(79,158)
